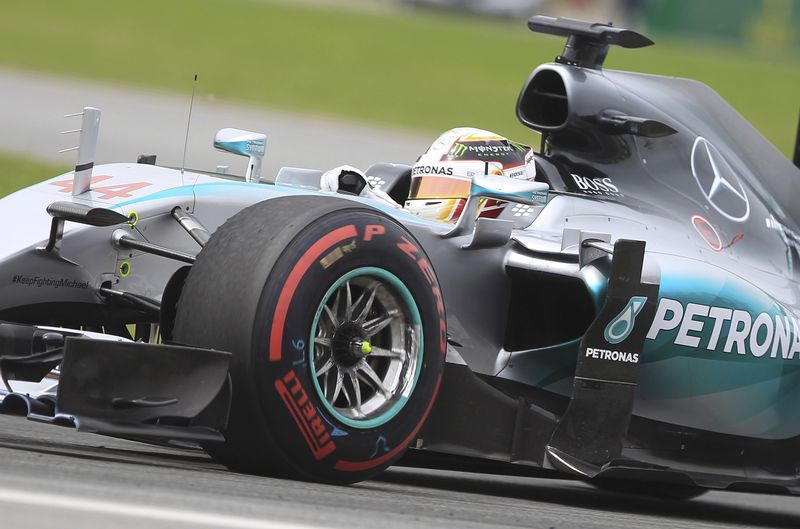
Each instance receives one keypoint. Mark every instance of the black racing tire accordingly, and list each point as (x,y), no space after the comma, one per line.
(277,270)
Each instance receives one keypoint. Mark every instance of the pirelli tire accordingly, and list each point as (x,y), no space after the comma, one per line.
(336,323)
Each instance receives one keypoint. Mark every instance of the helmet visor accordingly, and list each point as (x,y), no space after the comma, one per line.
(435,186)
(444,179)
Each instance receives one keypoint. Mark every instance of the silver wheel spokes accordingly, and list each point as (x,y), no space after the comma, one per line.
(366,348)
(374,326)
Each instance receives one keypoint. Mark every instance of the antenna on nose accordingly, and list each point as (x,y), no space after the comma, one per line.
(188,123)
(797,146)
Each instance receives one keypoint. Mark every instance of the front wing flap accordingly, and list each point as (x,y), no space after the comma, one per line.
(135,390)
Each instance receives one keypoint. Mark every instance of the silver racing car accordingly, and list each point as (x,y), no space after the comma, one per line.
(619,304)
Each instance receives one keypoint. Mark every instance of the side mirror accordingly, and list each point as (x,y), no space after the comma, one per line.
(509,189)
(244,143)
(499,188)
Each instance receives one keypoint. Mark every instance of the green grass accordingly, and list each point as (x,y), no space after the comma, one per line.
(419,70)
(19,172)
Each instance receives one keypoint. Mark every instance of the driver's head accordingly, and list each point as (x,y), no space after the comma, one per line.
(441,178)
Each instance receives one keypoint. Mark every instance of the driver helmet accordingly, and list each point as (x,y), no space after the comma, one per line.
(442,177)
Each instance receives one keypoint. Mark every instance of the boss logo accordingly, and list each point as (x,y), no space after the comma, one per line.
(598,186)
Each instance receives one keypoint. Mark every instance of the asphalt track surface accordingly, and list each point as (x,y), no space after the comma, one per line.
(137,121)
(52,477)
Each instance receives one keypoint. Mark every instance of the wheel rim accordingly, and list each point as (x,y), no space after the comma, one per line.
(366,347)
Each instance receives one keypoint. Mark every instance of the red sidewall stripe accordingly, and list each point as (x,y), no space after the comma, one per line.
(297,273)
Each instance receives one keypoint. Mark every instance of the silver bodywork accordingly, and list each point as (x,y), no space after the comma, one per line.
(474,268)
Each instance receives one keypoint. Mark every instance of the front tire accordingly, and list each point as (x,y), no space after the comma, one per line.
(336,324)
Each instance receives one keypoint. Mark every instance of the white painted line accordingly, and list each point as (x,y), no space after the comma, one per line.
(130,510)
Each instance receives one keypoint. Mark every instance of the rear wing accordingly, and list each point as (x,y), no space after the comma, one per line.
(587,42)
(87,148)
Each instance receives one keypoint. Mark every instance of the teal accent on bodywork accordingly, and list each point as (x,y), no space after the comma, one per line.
(245,148)
(254,192)
(597,285)
(243,189)
(416,320)
(732,393)
(553,367)
(718,290)
(623,324)
(174,192)
(538,197)
(549,368)
(729,392)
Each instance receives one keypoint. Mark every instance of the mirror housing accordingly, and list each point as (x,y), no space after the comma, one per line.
(499,188)
(617,123)
(509,189)
(244,143)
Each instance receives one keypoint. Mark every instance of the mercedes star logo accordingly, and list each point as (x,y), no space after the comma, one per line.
(718,181)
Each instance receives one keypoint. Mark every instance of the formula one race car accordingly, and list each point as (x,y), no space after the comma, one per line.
(632,313)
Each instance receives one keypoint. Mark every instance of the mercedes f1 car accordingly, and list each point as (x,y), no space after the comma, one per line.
(632,315)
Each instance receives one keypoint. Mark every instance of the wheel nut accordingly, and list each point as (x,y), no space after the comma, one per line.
(366,348)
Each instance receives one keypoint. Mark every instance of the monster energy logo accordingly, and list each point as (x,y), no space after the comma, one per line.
(481,151)
(519,146)
(622,325)
(458,150)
